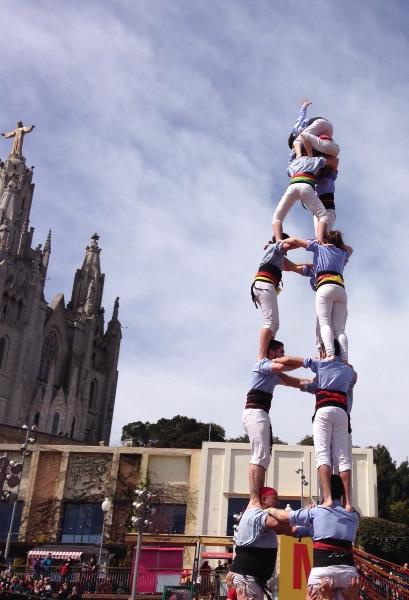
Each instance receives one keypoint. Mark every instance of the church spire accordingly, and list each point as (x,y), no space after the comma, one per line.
(16,191)
(47,247)
(89,282)
(46,254)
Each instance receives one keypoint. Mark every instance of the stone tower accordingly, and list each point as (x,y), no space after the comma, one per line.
(58,364)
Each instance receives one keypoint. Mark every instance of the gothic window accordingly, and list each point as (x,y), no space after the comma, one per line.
(36,419)
(5,308)
(19,315)
(56,422)
(72,428)
(49,354)
(92,400)
(3,353)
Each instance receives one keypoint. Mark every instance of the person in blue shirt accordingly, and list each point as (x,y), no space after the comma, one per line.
(256,547)
(333,531)
(303,172)
(333,382)
(331,298)
(325,188)
(265,288)
(266,374)
(312,134)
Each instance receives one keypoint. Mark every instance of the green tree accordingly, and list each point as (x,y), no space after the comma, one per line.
(241,439)
(399,511)
(140,433)
(178,432)
(307,440)
(244,439)
(276,440)
(400,483)
(386,469)
(385,539)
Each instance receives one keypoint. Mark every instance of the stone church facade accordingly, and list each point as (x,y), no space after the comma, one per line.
(58,362)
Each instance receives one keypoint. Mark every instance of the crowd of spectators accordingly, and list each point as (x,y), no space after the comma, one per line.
(42,587)
(46,579)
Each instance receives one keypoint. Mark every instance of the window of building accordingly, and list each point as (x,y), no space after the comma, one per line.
(5,309)
(49,354)
(92,400)
(238,505)
(81,523)
(3,353)
(36,419)
(235,507)
(295,503)
(19,313)
(56,422)
(72,428)
(169,518)
(6,509)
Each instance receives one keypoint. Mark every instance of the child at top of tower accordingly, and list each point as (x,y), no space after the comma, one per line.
(312,134)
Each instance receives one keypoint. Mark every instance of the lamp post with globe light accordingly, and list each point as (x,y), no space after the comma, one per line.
(303,482)
(141,519)
(106,507)
(13,479)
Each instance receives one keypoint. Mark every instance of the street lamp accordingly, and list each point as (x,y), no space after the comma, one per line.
(140,520)
(106,507)
(15,470)
(300,472)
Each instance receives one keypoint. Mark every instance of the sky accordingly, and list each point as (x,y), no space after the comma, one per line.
(163,126)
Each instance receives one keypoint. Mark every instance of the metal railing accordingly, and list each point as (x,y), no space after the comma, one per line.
(380,579)
(115,580)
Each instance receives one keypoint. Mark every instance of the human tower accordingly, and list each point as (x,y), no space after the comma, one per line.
(313,169)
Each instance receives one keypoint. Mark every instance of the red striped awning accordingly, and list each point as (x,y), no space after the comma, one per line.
(59,555)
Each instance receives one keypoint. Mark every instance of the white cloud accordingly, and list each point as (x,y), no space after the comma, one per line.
(163,126)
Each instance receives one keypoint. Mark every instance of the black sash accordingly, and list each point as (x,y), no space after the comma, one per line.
(257,562)
(259,399)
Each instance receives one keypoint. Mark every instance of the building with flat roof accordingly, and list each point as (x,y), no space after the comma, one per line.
(197,490)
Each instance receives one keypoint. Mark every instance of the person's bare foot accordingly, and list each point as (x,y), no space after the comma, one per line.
(349,508)
(327,504)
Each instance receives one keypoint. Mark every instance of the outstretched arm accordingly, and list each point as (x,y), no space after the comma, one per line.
(301,117)
(279,515)
(9,134)
(294,382)
(290,361)
(278,367)
(293,243)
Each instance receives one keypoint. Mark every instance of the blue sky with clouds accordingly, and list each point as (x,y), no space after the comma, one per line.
(162,125)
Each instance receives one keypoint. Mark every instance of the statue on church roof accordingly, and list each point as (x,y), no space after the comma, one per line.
(18,133)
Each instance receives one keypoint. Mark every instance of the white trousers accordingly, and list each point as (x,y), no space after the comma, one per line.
(318,338)
(331,220)
(247,587)
(341,574)
(331,438)
(332,312)
(328,147)
(307,195)
(257,425)
(266,296)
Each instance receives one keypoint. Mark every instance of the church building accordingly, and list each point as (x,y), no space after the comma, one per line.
(58,363)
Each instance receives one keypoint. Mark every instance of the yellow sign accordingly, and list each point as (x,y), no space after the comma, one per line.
(295,566)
